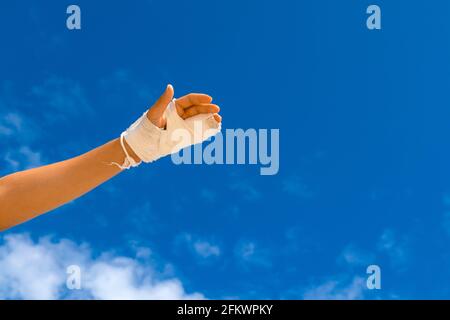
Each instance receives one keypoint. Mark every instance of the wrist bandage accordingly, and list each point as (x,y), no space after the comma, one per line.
(151,143)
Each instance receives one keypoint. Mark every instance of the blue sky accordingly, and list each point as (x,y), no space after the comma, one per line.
(363,118)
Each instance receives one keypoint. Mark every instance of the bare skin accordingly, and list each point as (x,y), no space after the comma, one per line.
(27,194)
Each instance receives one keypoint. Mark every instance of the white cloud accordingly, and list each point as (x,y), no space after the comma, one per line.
(352,285)
(353,256)
(201,247)
(294,186)
(62,98)
(17,130)
(10,123)
(17,127)
(250,254)
(206,249)
(37,270)
(345,286)
(246,190)
(395,247)
(337,289)
(5,131)
(247,250)
(23,158)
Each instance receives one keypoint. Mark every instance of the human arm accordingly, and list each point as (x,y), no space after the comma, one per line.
(30,193)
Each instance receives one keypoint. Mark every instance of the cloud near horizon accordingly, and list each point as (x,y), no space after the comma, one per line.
(38,270)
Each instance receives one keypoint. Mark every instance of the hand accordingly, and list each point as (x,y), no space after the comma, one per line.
(187,106)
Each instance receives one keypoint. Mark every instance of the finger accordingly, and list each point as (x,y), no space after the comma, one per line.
(155,114)
(161,104)
(217,117)
(197,109)
(193,99)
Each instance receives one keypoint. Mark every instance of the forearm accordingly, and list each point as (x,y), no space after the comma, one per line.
(27,194)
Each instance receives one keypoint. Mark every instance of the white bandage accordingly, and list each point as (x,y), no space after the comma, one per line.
(151,143)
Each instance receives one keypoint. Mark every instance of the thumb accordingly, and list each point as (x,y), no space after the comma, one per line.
(155,114)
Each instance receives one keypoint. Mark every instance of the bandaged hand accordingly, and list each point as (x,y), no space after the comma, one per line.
(170,125)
